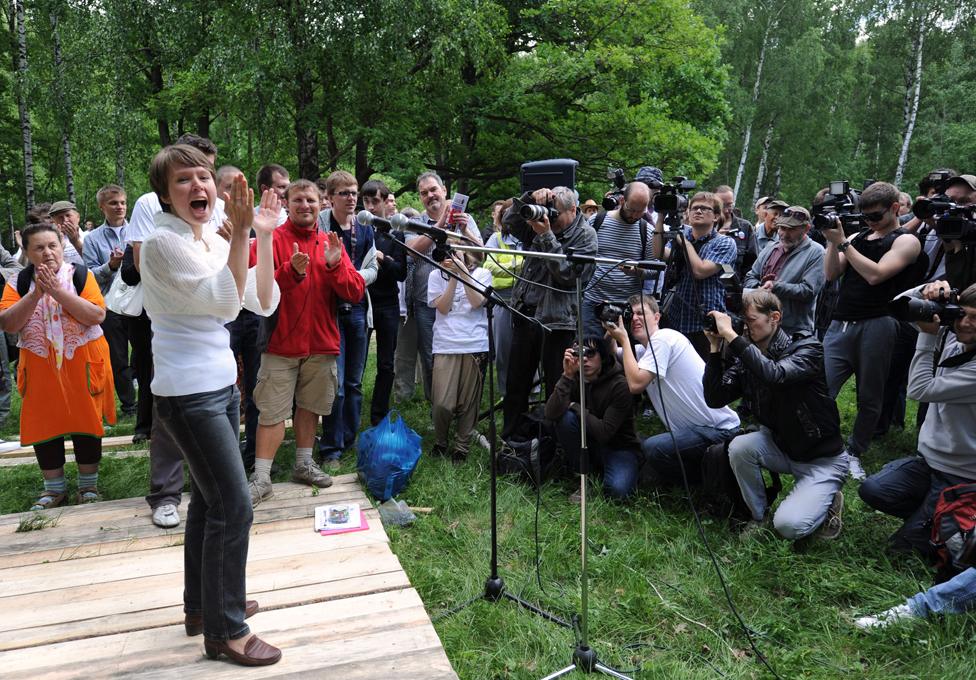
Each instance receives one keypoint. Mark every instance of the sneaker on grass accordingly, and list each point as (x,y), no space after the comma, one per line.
(855,468)
(897,613)
(832,525)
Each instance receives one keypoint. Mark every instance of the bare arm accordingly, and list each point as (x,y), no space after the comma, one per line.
(903,252)
(85,312)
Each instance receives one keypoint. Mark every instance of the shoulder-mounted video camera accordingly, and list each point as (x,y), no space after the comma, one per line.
(841,203)
(953,222)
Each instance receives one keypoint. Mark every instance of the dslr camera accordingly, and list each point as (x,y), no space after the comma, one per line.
(709,324)
(609,312)
(531,212)
(841,203)
(617,177)
(915,309)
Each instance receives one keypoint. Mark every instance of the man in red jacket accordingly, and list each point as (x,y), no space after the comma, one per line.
(299,364)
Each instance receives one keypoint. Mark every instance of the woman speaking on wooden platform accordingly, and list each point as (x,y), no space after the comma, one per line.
(194,283)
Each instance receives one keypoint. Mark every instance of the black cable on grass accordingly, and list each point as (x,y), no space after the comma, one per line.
(698,523)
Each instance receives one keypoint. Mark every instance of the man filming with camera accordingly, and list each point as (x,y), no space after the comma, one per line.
(909,488)
(876,266)
(545,292)
(783,380)
(700,252)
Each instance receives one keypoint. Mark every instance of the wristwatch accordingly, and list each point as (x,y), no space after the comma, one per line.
(841,247)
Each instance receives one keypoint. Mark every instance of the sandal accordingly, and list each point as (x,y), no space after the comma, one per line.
(48,499)
(89,494)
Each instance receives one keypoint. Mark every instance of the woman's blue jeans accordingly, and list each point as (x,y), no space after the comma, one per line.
(204,427)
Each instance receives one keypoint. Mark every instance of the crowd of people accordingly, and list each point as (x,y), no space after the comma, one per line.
(284,298)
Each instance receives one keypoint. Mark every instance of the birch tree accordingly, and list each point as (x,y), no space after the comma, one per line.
(20,66)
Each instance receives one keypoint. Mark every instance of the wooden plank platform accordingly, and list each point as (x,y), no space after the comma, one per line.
(100,594)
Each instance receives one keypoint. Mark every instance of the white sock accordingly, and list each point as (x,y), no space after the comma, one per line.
(303,456)
(262,469)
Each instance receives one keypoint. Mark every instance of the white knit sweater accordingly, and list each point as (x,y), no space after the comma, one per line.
(189,295)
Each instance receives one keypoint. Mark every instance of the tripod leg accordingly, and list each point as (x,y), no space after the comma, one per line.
(560,673)
(606,670)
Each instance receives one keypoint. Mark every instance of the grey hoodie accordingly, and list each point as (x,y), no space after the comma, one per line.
(947,440)
(797,286)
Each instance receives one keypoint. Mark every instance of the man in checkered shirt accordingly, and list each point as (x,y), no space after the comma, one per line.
(697,289)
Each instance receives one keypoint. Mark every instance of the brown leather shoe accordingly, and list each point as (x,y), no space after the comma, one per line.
(194,622)
(257,652)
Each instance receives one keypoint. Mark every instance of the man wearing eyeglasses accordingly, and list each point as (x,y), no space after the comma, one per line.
(792,268)
(340,427)
(875,265)
(700,251)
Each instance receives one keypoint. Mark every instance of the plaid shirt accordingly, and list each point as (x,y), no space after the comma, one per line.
(686,312)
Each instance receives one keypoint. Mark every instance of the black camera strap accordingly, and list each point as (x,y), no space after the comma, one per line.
(642,225)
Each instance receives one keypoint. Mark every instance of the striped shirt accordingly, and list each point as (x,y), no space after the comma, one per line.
(618,240)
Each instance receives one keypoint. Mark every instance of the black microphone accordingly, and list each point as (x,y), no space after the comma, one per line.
(403,223)
(368,219)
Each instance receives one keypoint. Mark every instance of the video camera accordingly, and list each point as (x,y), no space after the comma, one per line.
(915,309)
(672,198)
(841,203)
(611,200)
(953,222)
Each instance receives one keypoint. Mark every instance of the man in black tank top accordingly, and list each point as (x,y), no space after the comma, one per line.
(874,265)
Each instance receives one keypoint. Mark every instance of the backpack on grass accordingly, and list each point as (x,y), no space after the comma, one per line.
(723,498)
(530,452)
(954,530)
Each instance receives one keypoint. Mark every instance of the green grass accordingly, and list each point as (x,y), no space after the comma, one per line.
(655,601)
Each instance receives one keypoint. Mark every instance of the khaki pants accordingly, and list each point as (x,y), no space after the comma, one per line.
(456,395)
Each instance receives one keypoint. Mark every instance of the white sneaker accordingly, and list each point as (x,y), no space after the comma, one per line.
(482,441)
(7,446)
(166,516)
(886,618)
(855,468)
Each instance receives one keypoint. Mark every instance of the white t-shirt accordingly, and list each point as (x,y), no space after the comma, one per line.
(464,330)
(680,370)
(141,223)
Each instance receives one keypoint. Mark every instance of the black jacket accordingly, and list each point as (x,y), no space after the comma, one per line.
(787,391)
(609,407)
(391,270)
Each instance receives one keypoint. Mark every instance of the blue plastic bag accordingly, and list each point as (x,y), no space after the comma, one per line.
(388,454)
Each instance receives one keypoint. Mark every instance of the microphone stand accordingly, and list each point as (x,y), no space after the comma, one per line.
(584,657)
(494,589)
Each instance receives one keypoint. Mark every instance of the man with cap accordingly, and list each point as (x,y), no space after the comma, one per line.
(589,208)
(792,268)
(66,218)
(766,232)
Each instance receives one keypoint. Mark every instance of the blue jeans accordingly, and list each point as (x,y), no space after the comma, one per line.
(243,342)
(659,454)
(620,466)
(204,428)
(386,323)
(341,427)
(955,596)
(592,326)
(424,316)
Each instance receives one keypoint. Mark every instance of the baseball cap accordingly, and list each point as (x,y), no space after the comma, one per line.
(970,180)
(62,206)
(793,216)
(649,175)
(776,203)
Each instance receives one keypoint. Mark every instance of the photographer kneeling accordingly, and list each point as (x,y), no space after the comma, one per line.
(909,487)
(611,439)
(783,378)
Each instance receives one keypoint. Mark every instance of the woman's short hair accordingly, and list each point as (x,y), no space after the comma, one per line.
(762,301)
(171,157)
(37,228)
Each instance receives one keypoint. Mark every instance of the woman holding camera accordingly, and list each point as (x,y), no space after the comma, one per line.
(194,283)
(64,375)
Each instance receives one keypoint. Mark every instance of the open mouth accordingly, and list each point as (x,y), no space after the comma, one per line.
(199,204)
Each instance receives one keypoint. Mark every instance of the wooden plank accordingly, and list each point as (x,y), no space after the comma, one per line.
(70,457)
(164,590)
(101,512)
(173,615)
(363,636)
(301,540)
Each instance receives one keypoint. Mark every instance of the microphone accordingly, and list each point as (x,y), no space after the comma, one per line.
(368,219)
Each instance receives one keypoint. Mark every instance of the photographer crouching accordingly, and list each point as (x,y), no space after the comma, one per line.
(611,438)
(909,487)
(546,291)
(783,378)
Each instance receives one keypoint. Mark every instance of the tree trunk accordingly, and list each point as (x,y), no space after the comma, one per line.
(62,109)
(305,133)
(203,123)
(747,139)
(119,155)
(330,141)
(912,111)
(20,65)
(363,171)
(761,173)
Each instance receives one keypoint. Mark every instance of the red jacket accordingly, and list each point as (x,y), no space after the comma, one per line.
(307,310)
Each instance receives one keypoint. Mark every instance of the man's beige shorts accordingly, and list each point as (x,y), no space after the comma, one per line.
(308,381)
